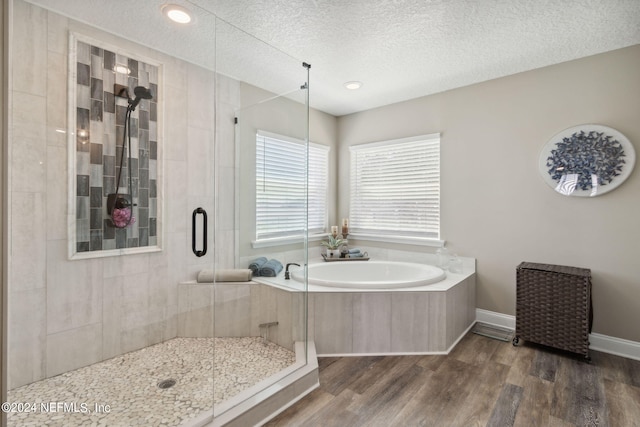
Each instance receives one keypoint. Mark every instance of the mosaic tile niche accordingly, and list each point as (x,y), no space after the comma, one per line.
(99,145)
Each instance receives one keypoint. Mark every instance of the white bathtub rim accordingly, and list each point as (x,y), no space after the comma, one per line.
(429,274)
(291,285)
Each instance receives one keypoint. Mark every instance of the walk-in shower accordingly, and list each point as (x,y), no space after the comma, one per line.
(114,143)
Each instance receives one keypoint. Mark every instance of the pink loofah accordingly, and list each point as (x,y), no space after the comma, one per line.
(121,217)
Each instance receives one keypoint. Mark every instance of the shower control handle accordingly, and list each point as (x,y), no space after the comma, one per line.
(197,212)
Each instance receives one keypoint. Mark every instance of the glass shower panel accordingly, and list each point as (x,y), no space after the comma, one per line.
(264,92)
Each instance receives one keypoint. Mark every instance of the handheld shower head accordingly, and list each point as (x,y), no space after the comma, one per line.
(140,92)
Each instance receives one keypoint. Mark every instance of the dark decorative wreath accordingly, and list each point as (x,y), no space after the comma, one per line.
(587,154)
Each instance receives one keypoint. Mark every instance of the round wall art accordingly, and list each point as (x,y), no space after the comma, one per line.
(586,160)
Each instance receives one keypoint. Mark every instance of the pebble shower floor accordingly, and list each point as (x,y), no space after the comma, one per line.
(129,384)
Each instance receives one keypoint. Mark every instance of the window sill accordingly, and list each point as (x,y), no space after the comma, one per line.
(289,240)
(405,240)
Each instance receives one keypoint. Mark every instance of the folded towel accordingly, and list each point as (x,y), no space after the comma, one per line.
(358,255)
(271,268)
(205,276)
(354,251)
(257,264)
(231,275)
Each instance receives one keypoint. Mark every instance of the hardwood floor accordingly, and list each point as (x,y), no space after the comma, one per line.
(482,382)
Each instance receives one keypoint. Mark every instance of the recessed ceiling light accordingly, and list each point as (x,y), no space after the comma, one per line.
(176,13)
(353,85)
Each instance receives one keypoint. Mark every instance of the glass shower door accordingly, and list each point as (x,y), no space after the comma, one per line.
(260,328)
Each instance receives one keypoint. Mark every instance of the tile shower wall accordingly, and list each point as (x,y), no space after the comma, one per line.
(65,314)
(101,147)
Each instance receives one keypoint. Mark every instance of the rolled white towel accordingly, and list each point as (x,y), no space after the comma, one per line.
(229,275)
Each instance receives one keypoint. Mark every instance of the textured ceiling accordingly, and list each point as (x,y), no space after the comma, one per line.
(399,49)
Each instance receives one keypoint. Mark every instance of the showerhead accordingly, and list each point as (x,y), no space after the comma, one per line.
(141,92)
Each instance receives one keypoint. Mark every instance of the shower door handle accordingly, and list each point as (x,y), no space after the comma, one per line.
(204,232)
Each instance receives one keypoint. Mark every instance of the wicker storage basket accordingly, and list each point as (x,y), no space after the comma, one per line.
(553,306)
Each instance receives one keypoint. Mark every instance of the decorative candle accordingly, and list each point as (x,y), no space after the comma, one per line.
(345,222)
(334,230)
(345,226)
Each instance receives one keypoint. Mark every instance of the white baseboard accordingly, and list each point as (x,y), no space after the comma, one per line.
(597,342)
(617,346)
(495,319)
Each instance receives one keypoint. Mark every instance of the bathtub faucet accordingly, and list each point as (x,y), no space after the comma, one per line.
(286,270)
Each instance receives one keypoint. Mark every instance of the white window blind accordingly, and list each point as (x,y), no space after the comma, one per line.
(281,187)
(395,187)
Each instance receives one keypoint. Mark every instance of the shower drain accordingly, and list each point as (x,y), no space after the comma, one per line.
(167,383)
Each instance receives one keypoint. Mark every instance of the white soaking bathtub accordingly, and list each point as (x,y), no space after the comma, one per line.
(382,307)
(371,274)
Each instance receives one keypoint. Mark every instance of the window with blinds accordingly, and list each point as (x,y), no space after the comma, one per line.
(395,188)
(281,187)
